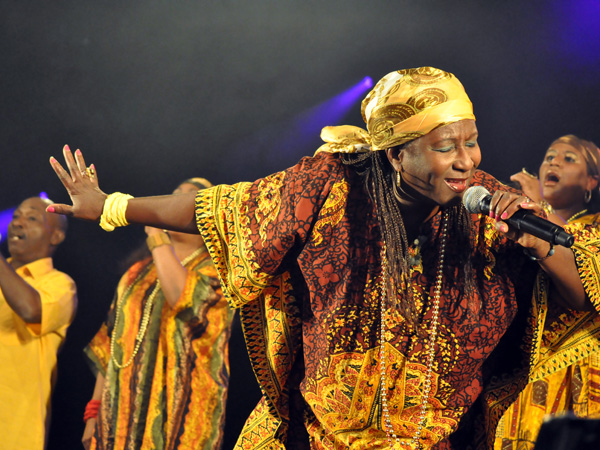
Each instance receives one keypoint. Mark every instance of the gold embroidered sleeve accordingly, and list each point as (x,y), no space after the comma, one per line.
(252,229)
(222,218)
(587,255)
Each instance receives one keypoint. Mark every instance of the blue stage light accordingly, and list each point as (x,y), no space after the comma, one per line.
(576,31)
(287,141)
(307,125)
(5,218)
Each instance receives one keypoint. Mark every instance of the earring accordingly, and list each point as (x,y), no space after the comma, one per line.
(398,179)
(587,197)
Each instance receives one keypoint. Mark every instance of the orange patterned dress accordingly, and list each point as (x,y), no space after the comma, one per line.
(173,394)
(299,253)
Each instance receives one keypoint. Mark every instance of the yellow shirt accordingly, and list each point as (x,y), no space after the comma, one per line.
(28,356)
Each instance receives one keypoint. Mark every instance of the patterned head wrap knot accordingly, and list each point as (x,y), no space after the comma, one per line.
(403,106)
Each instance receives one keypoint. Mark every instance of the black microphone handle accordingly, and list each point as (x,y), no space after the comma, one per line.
(525,220)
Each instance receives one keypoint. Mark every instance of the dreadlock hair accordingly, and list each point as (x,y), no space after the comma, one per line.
(378,178)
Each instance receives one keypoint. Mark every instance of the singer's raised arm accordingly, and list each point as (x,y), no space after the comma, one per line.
(557,261)
(172,212)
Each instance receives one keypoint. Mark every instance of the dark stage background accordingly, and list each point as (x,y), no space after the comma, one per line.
(154,92)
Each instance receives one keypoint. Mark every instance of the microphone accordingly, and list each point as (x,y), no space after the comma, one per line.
(477,201)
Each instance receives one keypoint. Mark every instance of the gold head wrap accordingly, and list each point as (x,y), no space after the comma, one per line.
(404,105)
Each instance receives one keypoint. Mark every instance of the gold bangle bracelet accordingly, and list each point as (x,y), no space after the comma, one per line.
(158,239)
(113,212)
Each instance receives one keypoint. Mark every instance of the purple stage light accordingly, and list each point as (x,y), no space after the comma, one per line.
(284,142)
(44,195)
(576,31)
(308,125)
(5,218)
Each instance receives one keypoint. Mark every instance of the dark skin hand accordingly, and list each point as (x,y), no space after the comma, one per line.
(569,295)
(560,267)
(172,212)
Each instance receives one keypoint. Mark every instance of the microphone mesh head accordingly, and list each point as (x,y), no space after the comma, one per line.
(472,199)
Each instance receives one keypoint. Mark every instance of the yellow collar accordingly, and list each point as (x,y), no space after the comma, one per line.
(37,268)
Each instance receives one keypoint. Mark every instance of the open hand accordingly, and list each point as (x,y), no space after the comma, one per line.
(81,183)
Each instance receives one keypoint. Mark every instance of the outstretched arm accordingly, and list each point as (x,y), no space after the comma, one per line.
(172,212)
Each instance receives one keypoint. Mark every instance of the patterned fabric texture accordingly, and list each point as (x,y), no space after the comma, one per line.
(299,253)
(404,105)
(173,394)
(565,375)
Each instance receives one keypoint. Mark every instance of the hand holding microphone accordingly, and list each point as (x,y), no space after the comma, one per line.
(477,201)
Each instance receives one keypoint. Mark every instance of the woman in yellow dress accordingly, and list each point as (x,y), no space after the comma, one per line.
(161,358)
(377,312)
(565,372)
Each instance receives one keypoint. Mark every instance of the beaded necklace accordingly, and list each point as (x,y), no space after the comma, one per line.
(389,430)
(576,215)
(145,316)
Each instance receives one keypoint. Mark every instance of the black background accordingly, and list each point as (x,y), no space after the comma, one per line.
(154,92)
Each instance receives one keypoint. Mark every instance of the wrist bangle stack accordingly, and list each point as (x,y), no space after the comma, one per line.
(534,258)
(113,213)
(158,239)
(91,410)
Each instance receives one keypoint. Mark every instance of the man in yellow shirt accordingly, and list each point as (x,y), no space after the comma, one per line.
(37,304)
